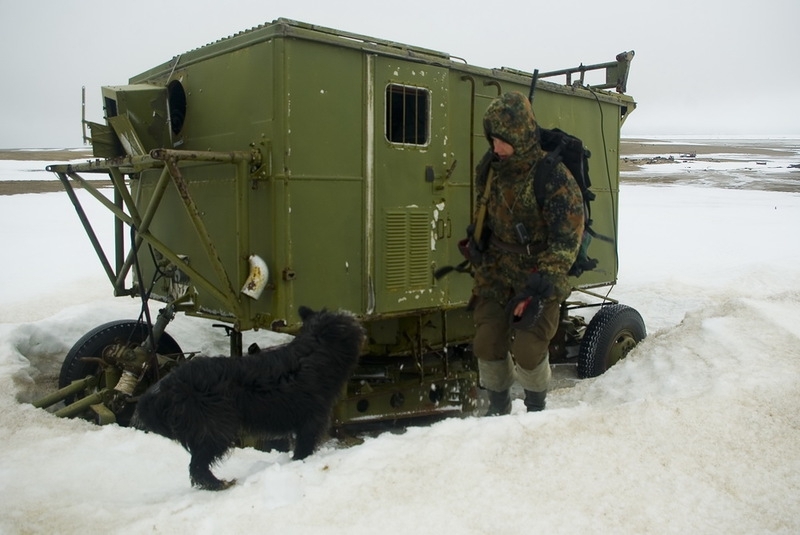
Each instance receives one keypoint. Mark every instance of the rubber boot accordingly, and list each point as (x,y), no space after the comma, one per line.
(535,401)
(496,377)
(499,403)
(534,383)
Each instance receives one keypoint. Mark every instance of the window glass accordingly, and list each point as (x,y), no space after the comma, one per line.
(407,114)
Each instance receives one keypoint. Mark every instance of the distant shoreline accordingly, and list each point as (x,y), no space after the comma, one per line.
(628,145)
(634,152)
(16,187)
(47,155)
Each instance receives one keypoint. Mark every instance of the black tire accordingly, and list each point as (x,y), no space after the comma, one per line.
(93,343)
(609,337)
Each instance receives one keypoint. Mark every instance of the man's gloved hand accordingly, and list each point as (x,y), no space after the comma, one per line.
(525,308)
(472,250)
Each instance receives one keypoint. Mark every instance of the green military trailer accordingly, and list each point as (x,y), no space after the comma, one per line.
(293,165)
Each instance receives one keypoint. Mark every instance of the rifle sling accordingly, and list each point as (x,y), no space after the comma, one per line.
(482,202)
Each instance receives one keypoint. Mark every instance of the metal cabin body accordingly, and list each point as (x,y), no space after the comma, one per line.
(345,163)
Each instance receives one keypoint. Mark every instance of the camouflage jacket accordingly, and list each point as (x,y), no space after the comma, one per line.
(555,229)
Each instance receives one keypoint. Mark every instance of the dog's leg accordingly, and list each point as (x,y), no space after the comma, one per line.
(308,436)
(200,470)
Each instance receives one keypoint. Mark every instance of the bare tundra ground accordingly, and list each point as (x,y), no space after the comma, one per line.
(12,187)
(633,154)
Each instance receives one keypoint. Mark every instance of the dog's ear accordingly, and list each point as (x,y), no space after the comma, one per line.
(305,312)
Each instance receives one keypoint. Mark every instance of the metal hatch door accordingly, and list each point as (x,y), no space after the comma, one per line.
(410,164)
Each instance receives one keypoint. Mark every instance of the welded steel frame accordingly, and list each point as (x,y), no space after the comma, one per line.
(126,212)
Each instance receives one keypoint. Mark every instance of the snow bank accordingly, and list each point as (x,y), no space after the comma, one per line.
(697,431)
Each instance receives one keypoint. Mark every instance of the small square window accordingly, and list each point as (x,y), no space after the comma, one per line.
(407,114)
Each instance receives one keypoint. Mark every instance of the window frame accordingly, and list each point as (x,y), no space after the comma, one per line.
(403,138)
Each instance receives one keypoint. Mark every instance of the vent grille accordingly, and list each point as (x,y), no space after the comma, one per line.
(407,250)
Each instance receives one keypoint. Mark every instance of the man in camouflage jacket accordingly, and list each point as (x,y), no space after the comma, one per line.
(525,254)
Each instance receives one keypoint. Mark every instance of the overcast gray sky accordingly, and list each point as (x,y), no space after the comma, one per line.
(702,67)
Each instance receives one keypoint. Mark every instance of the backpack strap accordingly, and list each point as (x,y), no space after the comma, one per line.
(545,168)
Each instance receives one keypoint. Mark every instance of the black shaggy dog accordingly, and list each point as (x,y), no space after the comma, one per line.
(283,391)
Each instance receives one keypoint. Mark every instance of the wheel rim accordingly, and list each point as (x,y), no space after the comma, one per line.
(624,342)
(117,333)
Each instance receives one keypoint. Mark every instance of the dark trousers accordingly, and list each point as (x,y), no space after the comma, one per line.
(495,339)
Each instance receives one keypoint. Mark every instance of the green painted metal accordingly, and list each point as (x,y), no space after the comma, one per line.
(343,215)
(79,385)
(345,162)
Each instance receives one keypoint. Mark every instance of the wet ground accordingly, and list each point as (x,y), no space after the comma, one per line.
(766,164)
(760,164)
(37,185)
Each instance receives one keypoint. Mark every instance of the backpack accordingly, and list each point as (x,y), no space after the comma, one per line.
(562,147)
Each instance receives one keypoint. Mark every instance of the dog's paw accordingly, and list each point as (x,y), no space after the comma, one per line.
(226,484)
(216,484)
(222,484)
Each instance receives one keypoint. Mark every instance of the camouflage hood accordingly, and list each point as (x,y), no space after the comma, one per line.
(510,118)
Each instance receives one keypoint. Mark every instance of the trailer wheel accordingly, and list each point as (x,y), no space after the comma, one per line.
(610,336)
(92,344)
